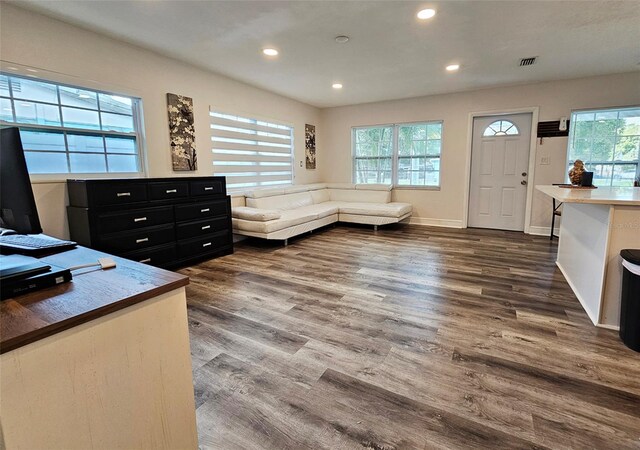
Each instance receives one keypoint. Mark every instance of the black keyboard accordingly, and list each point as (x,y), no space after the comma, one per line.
(30,242)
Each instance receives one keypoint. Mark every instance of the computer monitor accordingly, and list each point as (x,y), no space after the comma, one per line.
(17,204)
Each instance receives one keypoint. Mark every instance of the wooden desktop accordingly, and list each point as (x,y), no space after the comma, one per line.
(100,362)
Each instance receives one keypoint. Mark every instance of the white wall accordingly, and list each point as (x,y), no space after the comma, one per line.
(65,53)
(445,207)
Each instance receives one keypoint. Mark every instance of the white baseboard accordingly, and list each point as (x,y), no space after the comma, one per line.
(447,223)
(543,231)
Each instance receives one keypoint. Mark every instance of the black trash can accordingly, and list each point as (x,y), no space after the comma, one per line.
(630,301)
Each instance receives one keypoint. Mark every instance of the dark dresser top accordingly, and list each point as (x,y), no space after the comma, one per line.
(91,294)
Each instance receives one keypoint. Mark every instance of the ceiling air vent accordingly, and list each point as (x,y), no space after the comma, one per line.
(528,61)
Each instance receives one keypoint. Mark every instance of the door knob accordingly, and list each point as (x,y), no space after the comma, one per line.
(523,182)
(524,174)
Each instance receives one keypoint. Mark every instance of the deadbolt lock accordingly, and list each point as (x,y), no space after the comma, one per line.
(524,174)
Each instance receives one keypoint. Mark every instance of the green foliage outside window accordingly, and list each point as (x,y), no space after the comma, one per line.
(405,154)
(608,142)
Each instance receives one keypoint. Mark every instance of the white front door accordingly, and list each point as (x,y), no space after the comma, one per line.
(499,166)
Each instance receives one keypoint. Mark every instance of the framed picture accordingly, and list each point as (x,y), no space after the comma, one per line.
(310,146)
(182,132)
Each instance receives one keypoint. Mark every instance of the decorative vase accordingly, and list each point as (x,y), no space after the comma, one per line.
(575,174)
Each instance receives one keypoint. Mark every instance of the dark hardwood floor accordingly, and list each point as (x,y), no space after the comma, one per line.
(409,337)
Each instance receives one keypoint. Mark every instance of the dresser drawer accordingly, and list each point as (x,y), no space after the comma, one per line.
(131,220)
(119,194)
(194,247)
(168,190)
(132,240)
(201,227)
(208,187)
(202,210)
(156,256)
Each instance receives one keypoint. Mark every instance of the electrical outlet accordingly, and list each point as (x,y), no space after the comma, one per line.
(300,163)
(545,160)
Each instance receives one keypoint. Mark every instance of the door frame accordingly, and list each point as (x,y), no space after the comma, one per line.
(534,111)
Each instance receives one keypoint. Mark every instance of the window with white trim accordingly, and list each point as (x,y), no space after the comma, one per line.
(608,143)
(405,155)
(251,152)
(69,129)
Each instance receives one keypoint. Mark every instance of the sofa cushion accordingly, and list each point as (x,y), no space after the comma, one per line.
(286,220)
(282,202)
(321,209)
(260,215)
(260,193)
(316,186)
(320,196)
(296,188)
(376,209)
(353,195)
(341,185)
(374,187)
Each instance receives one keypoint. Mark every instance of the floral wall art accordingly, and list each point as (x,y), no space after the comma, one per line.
(182,132)
(310,146)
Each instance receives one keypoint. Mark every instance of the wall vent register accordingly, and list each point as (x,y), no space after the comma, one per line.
(528,61)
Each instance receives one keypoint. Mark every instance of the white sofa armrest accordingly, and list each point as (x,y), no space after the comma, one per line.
(255,214)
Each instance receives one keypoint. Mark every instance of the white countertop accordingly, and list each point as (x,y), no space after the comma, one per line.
(628,196)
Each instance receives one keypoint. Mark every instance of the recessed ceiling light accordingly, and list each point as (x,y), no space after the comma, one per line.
(32,70)
(452,67)
(15,68)
(336,86)
(426,14)
(342,39)
(270,51)
(84,96)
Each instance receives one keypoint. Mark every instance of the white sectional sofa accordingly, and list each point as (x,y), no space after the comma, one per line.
(285,212)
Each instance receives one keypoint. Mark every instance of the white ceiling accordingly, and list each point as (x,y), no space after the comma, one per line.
(391,54)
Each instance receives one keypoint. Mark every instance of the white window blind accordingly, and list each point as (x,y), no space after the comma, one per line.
(251,152)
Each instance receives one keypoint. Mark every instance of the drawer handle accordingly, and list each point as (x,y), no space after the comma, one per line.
(171,191)
(208,188)
(146,260)
(204,210)
(138,241)
(139,219)
(206,227)
(207,244)
(123,194)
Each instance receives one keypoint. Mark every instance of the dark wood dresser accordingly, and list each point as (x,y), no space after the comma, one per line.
(165,222)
